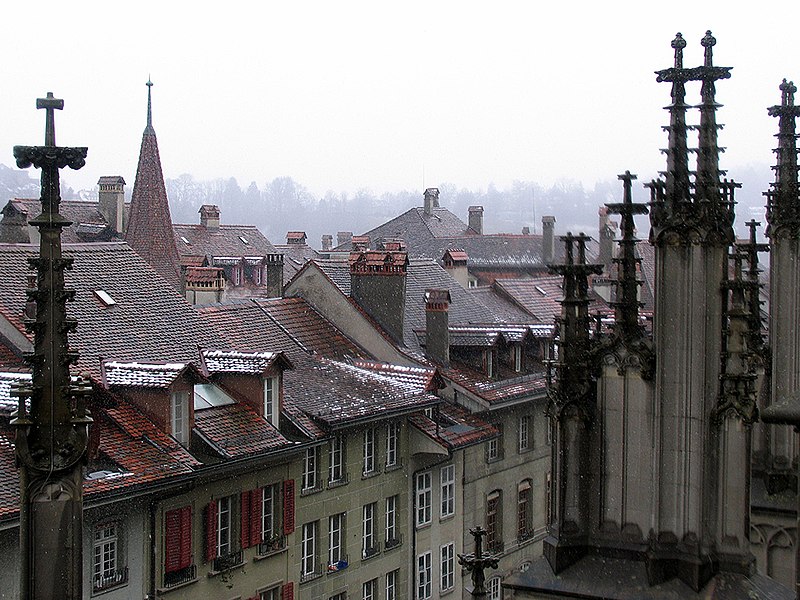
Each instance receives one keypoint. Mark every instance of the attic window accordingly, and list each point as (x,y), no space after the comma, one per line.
(540,290)
(105,298)
(185,241)
(244,240)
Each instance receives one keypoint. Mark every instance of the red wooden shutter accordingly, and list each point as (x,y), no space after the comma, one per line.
(255,516)
(211,531)
(288,506)
(186,537)
(172,540)
(245,519)
(287,593)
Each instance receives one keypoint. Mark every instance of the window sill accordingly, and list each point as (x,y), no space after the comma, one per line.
(370,554)
(311,491)
(420,526)
(107,589)
(260,557)
(370,475)
(338,482)
(395,467)
(226,569)
(310,577)
(447,592)
(444,518)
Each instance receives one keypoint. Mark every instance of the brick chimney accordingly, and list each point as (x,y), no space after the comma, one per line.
(437,326)
(360,243)
(607,235)
(476,219)
(343,237)
(327,242)
(297,238)
(455,263)
(274,275)
(378,285)
(526,231)
(209,216)
(112,202)
(394,245)
(548,239)
(431,200)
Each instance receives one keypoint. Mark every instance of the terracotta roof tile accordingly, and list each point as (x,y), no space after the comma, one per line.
(236,430)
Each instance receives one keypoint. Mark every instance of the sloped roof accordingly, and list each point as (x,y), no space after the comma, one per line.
(235,430)
(149,230)
(540,296)
(227,240)
(138,374)
(294,257)
(501,306)
(455,428)
(336,394)
(423,274)
(149,322)
(496,391)
(88,224)
(235,361)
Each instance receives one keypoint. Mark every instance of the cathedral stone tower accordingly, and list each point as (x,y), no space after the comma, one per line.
(652,432)
(149,230)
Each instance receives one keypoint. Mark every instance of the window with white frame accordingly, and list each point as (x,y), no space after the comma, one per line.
(180,416)
(308,557)
(369,450)
(368,546)
(106,571)
(423,495)
(370,590)
(391,521)
(335,539)
(524,510)
(273,593)
(224,526)
(271,396)
(268,513)
(493,588)
(447,480)
(524,433)
(392,439)
(517,358)
(494,522)
(336,472)
(447,567)
(489,358)
(424,576)
(392,577)
(492,449)
(310,462)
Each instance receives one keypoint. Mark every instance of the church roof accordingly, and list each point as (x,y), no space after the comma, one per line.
(149,230)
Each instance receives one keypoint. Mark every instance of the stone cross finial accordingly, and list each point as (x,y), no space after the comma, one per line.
(708,42)
(679,44)
(50,105)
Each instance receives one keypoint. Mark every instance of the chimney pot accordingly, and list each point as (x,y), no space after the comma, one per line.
(209,216)
(327,242)
(437,326)
(431,200)
(548,239)
(111,201)
(343,237)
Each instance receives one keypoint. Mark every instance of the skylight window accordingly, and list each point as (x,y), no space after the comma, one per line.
(540,290)
(244,240)
(185,241)
(105,298)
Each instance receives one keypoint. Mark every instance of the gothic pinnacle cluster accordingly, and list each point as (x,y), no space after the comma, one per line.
(52,438)
(699,207)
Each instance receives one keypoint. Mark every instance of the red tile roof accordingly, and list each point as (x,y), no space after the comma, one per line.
(455,427)
(235,431)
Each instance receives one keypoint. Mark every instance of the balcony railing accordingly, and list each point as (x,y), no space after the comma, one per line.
(110,579)
(271,545)
(180,576)
(227,561)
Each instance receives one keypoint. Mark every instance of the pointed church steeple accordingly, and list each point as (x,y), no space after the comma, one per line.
(149,230)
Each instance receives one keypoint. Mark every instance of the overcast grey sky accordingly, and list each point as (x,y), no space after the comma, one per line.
(342,95)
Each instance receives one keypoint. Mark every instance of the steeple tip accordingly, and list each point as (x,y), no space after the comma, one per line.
(149,129)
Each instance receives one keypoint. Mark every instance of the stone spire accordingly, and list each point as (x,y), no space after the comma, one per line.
(51,439)
(783,230)
(627,301)
(149,230)
(571,409)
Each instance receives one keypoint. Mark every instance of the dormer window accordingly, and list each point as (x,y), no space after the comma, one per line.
(271,400)
(489,358)
(180,416)
(237,275)
(517,350)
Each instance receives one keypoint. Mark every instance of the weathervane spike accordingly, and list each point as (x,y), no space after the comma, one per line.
(149,85)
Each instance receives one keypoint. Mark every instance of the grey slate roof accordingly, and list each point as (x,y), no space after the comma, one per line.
(88,225)
(150,321)
(228,240)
